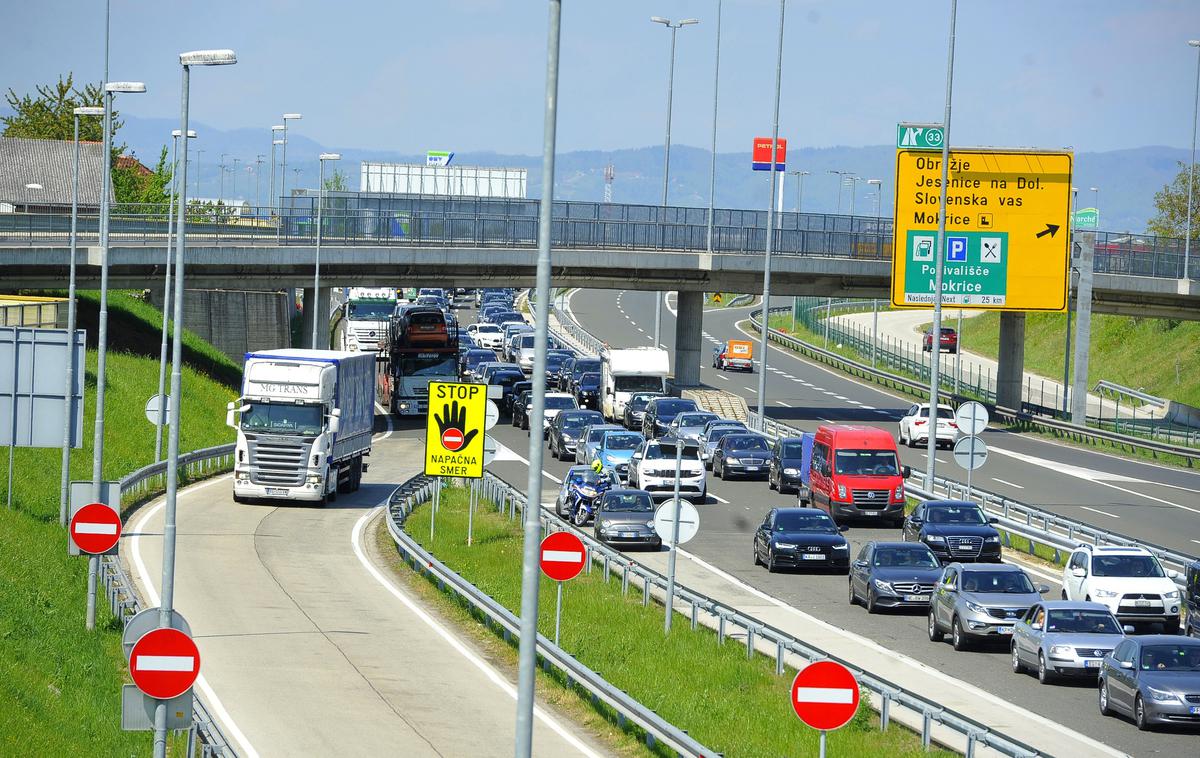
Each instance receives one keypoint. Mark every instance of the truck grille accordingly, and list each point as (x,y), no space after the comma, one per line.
(368,336)
(966,547)
(277,462)
(912,588)
(870,498)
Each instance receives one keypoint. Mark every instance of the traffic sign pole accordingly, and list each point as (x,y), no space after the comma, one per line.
(558,613)
(433,509)
(670,605)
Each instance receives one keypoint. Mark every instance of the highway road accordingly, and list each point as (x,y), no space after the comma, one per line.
(308,647)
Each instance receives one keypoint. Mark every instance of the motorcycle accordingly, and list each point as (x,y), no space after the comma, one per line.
(584,497)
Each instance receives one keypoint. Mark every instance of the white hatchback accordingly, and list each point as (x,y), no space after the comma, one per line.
(914,425)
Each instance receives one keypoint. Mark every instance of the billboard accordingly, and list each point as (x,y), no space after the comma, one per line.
(760,156)
(445,180)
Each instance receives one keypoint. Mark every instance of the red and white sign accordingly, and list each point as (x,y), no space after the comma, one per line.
(95,528)
(563,555)
(760,155)
(825,695)
(164,663)
(452,439)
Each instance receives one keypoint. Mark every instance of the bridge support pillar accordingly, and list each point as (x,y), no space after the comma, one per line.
(315,306)
(689,323)
(1011,370)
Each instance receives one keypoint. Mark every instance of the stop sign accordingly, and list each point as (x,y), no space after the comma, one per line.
(164,663)
(825,695)
(95,528)
(562,556)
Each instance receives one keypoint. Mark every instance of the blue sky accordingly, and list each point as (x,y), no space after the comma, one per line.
(468,74)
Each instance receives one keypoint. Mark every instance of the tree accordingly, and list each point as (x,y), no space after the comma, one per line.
(1171,203)
(51,115)
(336,182)
(130,185)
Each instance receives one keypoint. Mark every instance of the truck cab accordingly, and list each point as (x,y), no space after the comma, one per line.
(624,372)
(365,318)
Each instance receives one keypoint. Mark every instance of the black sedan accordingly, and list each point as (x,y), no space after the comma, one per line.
(745,455)
(893,575)
(626,517)
(787,458)
(587,390)
(800,538)
(520,404)
(955,530)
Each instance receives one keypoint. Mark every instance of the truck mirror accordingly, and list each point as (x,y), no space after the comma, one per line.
(335,421)
(906,472)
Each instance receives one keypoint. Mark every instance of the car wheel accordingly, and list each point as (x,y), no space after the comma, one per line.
(1045,676)
(853,597)
(935,632)
(1063,593)
(771,484)
(1105,710)
(958,638)
(754,549)
(770,561)
(1139,715)
(716,471)
(871,607)
(1017,666)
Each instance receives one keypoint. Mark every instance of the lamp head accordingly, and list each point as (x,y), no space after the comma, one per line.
(292,116)
(208,58)
(330,156)
(89,111)
(660,20)
(278,128)
(1194,42)
(689,21)
(125,87)
(279,142)
(191,133)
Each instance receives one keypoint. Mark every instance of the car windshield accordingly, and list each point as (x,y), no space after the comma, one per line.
(1126,565)
(486,329)
(590,379)
(792,450)
(637,383)
(1180,656)
(639,402)
(584,366)
(747,443)
(558,402)
(867,462)
(527,339)
(955,514)
(554,360)
(432,365)
(370,311)
(274,418)
(695,419)
(595,434)
(1004,582)
(1082,622)
(715,435)
(667,450)
(904,556)
(622,441)
(804,522)
(506,378)
(671,407)
(577,423)
(629,502)
(587,476)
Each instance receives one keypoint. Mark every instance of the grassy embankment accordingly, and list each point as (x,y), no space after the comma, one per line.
(59,684)
(713,691)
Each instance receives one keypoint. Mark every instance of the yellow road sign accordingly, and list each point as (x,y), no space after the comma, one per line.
(716,298)
(454,429)
(1007,222)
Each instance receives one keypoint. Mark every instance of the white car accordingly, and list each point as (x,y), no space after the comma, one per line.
(914,425)
(555,403)
(652,468)
(1129,580)
(486,335)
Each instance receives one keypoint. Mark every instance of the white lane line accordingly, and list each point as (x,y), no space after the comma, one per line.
(866,407)
(723,377)
(780,402)
(831,394)
(387,418)
(854,402)
(1097,510)
(450,638)
(841,397)
(718,498)
(1196,541)
(1010,484)
(210,697)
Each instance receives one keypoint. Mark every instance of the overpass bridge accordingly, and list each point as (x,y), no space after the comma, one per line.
(385,240)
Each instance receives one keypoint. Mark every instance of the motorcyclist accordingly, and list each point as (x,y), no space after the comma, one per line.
(587,491)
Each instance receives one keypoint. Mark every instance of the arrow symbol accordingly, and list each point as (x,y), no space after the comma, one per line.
(1050,229)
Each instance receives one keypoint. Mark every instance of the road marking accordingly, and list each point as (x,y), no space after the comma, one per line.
(824,695)
(1196,541)
(387,418)
(780,402)
(722,376)
(841,397)
(1102,513)
(1010,484)
(831,394)
(449,637)
(718,498)
(854,402)
(868,407)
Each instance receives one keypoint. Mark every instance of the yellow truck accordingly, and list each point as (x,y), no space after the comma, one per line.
(736,354)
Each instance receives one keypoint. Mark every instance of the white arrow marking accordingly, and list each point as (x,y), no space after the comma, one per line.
(93,528)
(562,556)
(166,663)
(824,695)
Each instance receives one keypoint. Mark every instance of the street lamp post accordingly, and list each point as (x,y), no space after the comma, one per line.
(854,179)
(1096,202)
(317,317)
(198,151)
(166,606)
(283,168)
(258,161)
(234,173)
(712,173)
(842,177)
(275,141)
(674,26)
(110,89)
(65,483)
(221,187)
(878,184)
(799,187)
(1187,237)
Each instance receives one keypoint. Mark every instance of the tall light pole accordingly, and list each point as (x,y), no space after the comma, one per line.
(221,186)
(283,168)
(1187,236)
(674,26)
(167,604)
(1096,202)
(65,483)
(712,172)
(258,161)
(162,349)
(199,150)
(853,179)
(766,301)
(234,172)
(878,184)
(110,89)
(799,187)
(317,317)
(842,176)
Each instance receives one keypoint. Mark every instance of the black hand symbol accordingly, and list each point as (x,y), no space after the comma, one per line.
(455,417)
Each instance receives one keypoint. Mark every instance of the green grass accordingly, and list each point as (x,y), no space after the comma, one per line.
(1160,356)
(59,684)
(712,690)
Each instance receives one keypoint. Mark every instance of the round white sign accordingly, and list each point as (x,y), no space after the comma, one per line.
(689,521)
(489,449)
(970,452)
(491,414)
(152,409)
(971,417)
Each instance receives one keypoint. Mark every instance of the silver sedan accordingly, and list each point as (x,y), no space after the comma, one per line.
(1061,638)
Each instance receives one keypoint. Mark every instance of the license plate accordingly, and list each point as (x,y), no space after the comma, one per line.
(752,468)
(1194,710)
(812,557)
(870,513)
(629,535)
(1141,603)
(276,491)
(1092,664)
(1004,630)
(916,598)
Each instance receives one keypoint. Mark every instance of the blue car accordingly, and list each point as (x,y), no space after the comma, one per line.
(616,449)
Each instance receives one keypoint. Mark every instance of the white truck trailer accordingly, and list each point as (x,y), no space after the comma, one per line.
(624,371)
(305,426)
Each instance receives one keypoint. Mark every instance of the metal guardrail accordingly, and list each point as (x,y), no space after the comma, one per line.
(118,588)
(1191,456)
(728,620)
(419,490)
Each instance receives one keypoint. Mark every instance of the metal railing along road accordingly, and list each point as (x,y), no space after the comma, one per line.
(358,219)
(123,599)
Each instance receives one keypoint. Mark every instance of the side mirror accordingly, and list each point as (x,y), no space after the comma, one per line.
(1079,572)
(335,423)
(1129,629)
(906,472)
(232,408)
(860,564)
(1043,589)
(1173,574)
(1125,664)
(915,521)
(993,520)
(1037,627)
(843,527)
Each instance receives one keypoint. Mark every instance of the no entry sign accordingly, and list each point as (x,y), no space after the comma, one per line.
(95,528)
(825,695)
(563,555)
(164,663)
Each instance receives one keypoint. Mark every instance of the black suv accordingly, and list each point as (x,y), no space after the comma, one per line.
(570,376)
(955,530)
(587,390)
(520,403)
(635,409)
(661,411)
(506,378)
(563,435)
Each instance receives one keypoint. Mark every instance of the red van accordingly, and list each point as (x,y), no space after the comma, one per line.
(855,473)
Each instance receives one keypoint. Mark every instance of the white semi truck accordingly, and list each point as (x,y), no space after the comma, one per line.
(366,315)
(306,419)
(624,371)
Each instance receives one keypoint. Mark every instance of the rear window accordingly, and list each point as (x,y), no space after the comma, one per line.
(675,406)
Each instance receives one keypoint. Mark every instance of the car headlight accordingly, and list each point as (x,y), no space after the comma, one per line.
(1172,595)
(792,471)
(1162,696)
(992,539)
(734,461)
(785,545)
(935,538)
(606,523)
(650,523)
(1104,593)
(841,492)
(976,608)
(841,547)
(883,586)
(567,437)
(1065,652)
(899,493)
(243,476)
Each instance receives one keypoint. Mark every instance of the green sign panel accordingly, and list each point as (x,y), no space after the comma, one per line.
(976,271)
(919,136)
(1087,218)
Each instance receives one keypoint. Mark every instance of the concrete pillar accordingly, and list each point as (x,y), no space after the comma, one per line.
(306,323)
(689,323)
(322,316)
(1083,328)
(1010,373)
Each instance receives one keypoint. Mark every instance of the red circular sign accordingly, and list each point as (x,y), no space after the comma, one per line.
(164,663)
(562,556)
(825,695)
(96,528)
(452,439)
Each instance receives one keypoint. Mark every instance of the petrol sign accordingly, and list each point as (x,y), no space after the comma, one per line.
(164,663)
(562,556)
(760,156)
(1005,244)
(825,695)
(96,528)
(454,429)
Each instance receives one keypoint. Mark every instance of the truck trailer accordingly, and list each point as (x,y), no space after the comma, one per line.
(304,424)
(422,348)
(625,371)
